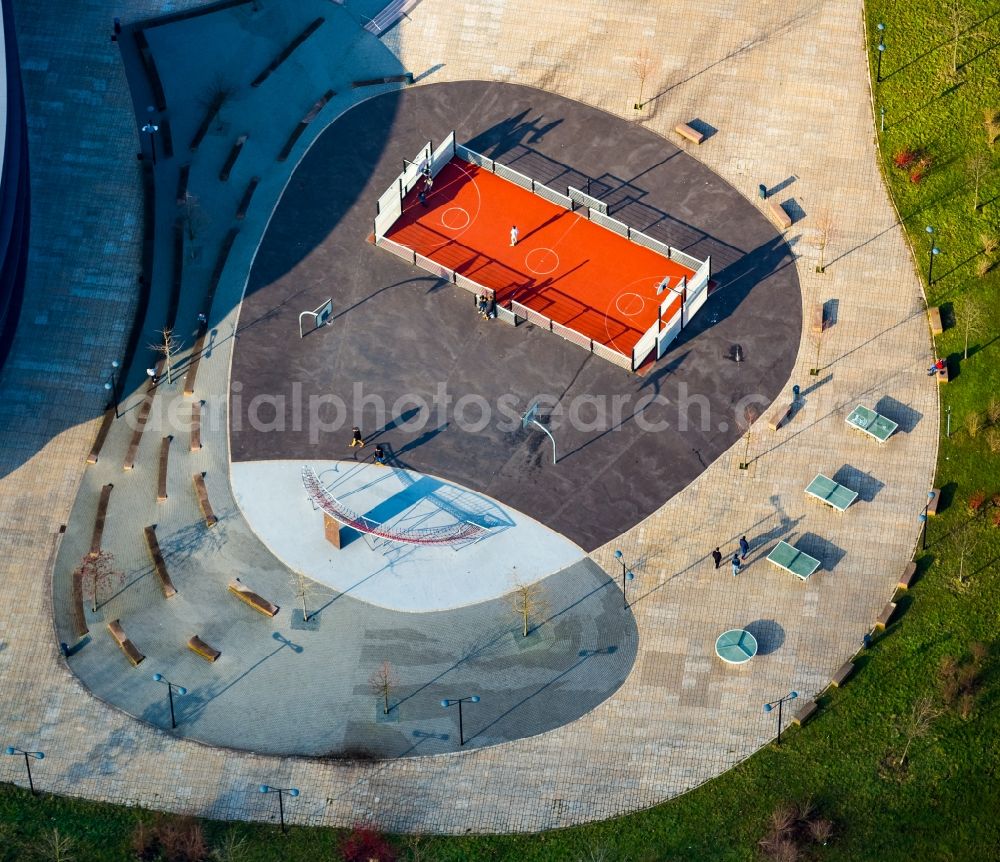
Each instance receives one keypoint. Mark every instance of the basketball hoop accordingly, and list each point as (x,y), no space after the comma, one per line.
(321,317)
(531,418)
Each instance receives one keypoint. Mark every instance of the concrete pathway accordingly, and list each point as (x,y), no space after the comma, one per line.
(786,88)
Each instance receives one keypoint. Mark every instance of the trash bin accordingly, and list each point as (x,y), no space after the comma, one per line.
(763,191)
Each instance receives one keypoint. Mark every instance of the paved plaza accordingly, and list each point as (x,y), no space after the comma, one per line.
(546,740)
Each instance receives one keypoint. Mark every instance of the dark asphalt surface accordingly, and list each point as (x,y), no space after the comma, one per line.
(410,340)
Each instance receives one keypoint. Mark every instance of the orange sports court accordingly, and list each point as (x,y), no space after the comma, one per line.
(563,266)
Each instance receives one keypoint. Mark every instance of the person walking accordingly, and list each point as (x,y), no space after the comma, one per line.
(422,196)
(744,549)
(379,456)
(356,438)
(736,564)
(513,235)
(717,556)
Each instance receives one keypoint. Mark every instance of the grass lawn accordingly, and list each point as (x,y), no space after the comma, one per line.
(943,802)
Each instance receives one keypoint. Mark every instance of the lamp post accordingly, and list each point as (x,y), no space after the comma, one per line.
(930,235)
(28,756)
(460,700)
(112,384)
(935,251)
(780,702)
(923,519)
(881,51)
(627,574)
(151,129)
(281,791)
(159,677)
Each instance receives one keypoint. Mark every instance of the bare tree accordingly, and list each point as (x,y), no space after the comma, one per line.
(977,165)
(958,29)
(824,232)
(301,585)
(974,322)
(527,602)
(750,415)
(643,65)
(56,846)
(97,576)
(989,243)
(168,348)
(964,542)
(383,680)
(918,724)
(192,215)
(216,94)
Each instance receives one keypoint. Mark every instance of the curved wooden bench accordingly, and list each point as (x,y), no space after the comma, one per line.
(206,506)
(818,316)
(140,424)
(807,711)
(196,426)
(934,316)
(197,645)
(153,544)
(840,677)
(161,482)
(258,603)
(102,513)
(287,52)
(776,418)
(102,435)
(909,573)
(131,651)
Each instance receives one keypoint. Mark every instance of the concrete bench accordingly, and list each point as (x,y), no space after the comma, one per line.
(196,427)
(131,651)
(244,204)
(161,481)
(932,506)
(778,215)
(685,131)
(159,566)
(199,647)
(206,506)
(255,601)
(909,573)
(818,317)
(234,154)
(805,712)
(885,616)
(102,513)
(934,316)
(776,418)
(840,677)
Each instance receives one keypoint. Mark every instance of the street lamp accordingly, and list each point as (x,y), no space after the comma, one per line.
(111,384)
(159,677)
(779,703)
(930,235)
(28,755)
(151,129)
(923,518)
(460,700)
(881,51)
(935,251)
(627,575)
(281,791)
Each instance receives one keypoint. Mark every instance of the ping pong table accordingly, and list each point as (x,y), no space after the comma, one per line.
(736,646)
(871,423)
(824,489)
(791,559)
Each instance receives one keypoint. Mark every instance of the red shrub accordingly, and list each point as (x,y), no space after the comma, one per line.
(976,500)
(904,159)
(916,177)
(362,844)
(996,518)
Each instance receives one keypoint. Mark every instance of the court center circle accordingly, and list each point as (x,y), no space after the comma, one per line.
(543,258)
(461,211)
(629,304)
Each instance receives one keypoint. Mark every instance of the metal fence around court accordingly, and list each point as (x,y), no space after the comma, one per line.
(692,292)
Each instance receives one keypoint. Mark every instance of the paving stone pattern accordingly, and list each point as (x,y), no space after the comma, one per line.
(787,90)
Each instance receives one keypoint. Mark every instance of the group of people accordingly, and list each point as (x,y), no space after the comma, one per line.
(378,456)
(739,557)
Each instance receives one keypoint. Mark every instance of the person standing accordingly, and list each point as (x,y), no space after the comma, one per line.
(744,549)
(379,456)
(736,564)
(356,438)
(717,556)
(513,235)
